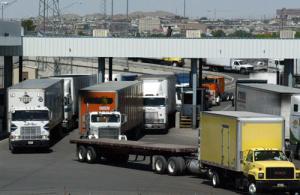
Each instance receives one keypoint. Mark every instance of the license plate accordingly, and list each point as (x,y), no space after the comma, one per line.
(280,185)
(30,142)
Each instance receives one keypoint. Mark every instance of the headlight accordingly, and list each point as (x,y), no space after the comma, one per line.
(13,127)
(298,175)
(260,175)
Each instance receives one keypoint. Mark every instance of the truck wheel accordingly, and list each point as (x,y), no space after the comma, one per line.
(175,64)
(11,148)
(215,179)
(243,71)
(252,188)
(160,164)
(218,100)
(91,155)
(176,166)
(81,153)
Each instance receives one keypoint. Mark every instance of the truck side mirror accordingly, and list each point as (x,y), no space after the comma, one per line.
(124,119)
(50,115)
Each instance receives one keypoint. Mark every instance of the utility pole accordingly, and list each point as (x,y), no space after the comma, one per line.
(112,9)
(103,8)
(127,9)
(3,3)
(184,8)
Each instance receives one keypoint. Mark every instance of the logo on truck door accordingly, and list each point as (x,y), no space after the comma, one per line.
(25,98)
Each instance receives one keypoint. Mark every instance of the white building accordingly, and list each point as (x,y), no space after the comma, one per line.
(149,24)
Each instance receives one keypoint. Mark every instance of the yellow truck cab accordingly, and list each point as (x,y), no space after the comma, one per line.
(247,149)
(174,61)
(269,167)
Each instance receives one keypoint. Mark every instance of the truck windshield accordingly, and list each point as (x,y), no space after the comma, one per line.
(242,62)
(105,118)
(269,155)
(30,115)
(156,102)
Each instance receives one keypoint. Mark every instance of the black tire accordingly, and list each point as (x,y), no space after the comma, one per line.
(175,64)
(219,102)
(215,179)
(11,148)
(81,153)
(160,165)
(252,187)
(231,96)
(91,155)
(243,71)
(176,166)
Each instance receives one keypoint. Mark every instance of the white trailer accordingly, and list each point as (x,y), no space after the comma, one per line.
(159,100)
(35,109)
(276,100)
(72,85)
(226,64)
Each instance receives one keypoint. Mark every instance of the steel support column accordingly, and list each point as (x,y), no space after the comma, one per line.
(8,71)
(200,72)
(8,80)
(194,85)
(288,72)
(110,64)
(101,69)
(20,68)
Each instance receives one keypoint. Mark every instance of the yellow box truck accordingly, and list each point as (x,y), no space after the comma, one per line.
(248,149)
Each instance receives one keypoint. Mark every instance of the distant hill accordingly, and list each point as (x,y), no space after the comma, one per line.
(151,14)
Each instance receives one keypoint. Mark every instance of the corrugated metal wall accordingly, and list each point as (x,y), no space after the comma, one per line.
(185,48)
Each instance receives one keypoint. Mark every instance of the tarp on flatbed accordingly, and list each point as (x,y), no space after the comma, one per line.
(138,147)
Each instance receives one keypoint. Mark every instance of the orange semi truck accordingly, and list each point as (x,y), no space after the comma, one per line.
(216,87)
(111,110)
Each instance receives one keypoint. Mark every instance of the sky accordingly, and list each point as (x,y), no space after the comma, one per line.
(194,8)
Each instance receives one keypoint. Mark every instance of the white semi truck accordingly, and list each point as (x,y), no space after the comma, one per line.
(159,100)
(111,110)
(72,85)
(227,64)
(35,109)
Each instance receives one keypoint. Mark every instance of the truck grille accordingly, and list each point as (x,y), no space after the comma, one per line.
(31,133)
(112,133)
(279,173)
(151,117)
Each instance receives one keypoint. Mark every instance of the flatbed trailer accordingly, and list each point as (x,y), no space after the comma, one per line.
(171,158)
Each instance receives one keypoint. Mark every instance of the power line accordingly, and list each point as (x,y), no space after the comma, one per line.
(50,16)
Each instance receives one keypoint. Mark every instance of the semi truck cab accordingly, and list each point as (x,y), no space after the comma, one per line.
(29,127)
(106,125)
(155,109)
(270,169)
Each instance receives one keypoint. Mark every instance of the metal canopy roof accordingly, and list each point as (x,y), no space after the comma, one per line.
(110,86)
(243,114)
(161,47)
(274,88)
(35,84)
(10,39)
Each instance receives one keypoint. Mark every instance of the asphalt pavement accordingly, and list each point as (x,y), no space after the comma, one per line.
(59,172)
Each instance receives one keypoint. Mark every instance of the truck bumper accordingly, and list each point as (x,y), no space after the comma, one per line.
(288,185)
(30,143)
(155,126)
